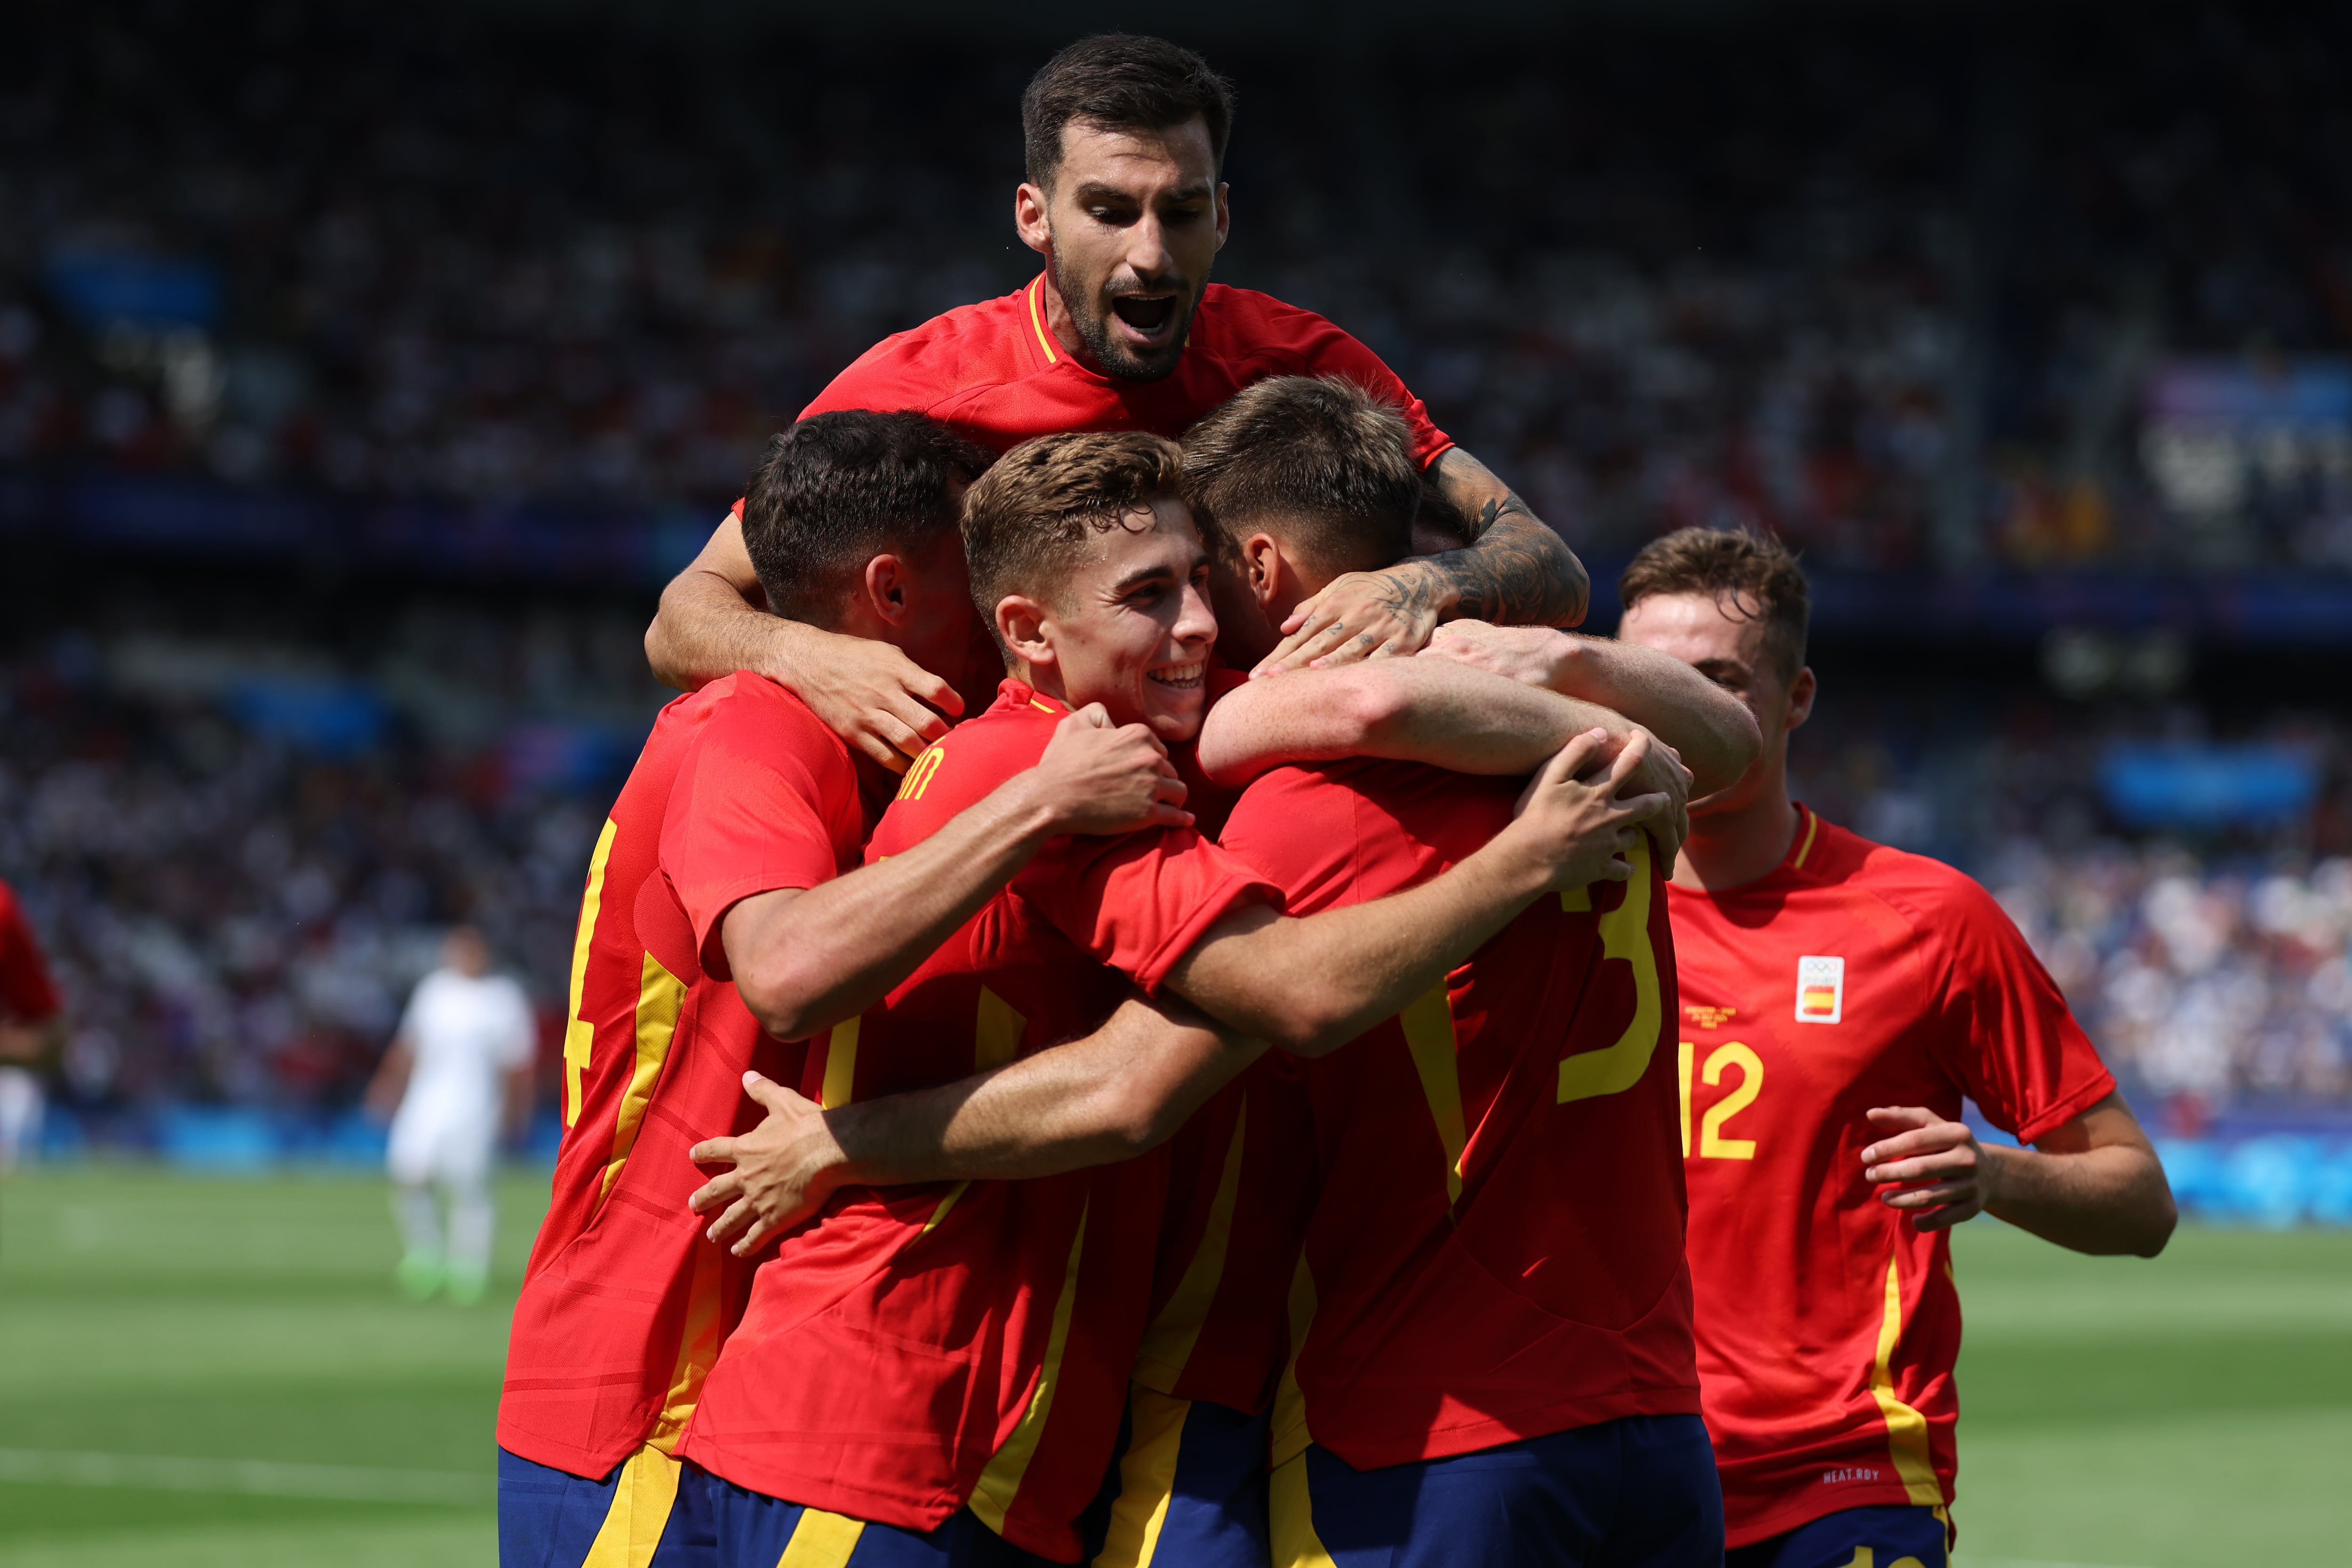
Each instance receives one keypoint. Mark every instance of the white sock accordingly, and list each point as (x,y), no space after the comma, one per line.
(419,1220)
(473,1216)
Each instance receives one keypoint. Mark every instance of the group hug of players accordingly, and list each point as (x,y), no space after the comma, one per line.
(1400,1111)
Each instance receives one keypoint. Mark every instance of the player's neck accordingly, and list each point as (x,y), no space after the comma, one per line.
(1045,680)
(1735,845)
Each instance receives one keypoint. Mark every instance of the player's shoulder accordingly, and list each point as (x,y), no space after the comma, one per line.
(929,366)
(971,759)
(1938,898)
(752,715)
(1245,325)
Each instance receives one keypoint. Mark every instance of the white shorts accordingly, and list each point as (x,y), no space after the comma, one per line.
(434,1143)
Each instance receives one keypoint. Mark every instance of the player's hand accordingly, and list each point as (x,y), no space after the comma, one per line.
(784,1169)
(1359,614)
(1097,777)
(1661,772)
(1575,819)
(1932,1169)
(1533,656)
(869,693)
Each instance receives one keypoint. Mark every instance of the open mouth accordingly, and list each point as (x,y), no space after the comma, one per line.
(1180,677)
(1149,314)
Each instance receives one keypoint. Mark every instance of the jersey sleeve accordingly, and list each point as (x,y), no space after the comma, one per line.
(1140,903)
(751,812)
(1328,351)
(26,992)
(1297,828)
(2004,1031)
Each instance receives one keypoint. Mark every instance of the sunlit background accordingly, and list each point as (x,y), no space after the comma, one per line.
(364,370)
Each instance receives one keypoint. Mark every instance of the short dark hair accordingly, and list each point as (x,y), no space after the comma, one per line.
(1315,461)
(1121,81)
(1721,564)
(838,488)
(1027,522)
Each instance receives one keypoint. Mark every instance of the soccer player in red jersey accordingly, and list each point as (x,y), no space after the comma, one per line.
(31,1021)
(1839,999)
(717,922)
(948,1365)
(1124,141)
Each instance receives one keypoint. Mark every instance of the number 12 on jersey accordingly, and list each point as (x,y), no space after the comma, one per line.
(1712,1142)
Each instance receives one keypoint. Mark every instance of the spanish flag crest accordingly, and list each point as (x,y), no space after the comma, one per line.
(1820,989)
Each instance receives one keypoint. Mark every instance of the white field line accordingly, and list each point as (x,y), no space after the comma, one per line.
(255,1478)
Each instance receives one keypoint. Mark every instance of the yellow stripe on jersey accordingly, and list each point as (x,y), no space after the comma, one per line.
(996,1032)
(1000,1481)
(579,1034)
(1037,323)
(821,1539)
(660,995)
(840,1064)
(1167,1343)
(1576,901)
(1290,1519)
(1813,823)
(642,1499)
(1147,1478)
(1906,1429)
(1625,934)
(940,1213)
(698,1350)
(1290,1435)
(1429,1036)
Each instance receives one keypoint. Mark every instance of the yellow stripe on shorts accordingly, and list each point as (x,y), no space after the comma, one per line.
(1290,1516)
(1147,1478)
(821,1539)
(642,1499)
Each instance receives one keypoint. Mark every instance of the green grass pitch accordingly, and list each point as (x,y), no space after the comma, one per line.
(2191,1413)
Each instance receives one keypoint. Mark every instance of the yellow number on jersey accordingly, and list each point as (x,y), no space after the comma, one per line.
(1712,1144)
(919,775)
(1625,935)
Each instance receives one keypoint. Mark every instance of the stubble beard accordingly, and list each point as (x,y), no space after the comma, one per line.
(1094,331)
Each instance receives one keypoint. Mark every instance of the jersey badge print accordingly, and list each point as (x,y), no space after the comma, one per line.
(1820,989)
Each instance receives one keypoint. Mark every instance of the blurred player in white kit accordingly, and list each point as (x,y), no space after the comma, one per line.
(460,1065)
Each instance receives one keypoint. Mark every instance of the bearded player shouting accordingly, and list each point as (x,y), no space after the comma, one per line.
(1124,144)
(1838,999)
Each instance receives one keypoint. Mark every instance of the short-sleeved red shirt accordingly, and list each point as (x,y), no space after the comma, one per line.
(1853,975)
(1495,1250)
(914,1348)
(739,790)
(995,370)
(27,994)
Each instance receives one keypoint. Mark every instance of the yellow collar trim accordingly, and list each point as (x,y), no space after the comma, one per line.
(1037,321)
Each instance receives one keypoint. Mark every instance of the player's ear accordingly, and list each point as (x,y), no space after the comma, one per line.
(885,588)
(1224,213)
(1262,567)
(1030,204)
(1021,622)
(1800,696)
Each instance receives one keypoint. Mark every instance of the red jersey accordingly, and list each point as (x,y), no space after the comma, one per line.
(1497,1245)
(916,1349)
(1853,975)
(994,369)
(739,790)
(27,994)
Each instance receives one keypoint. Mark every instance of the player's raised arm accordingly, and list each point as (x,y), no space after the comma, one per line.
(806,959)
(1711,730)
(1514,570)
(1311,986)
(714,620)
(1107,1095)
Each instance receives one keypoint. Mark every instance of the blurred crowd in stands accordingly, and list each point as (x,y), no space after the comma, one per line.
(1897,289)
(241,856)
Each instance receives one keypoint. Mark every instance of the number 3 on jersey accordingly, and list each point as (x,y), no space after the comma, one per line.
(1712,1144)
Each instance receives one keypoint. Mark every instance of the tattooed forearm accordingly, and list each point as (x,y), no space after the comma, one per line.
(1515,571)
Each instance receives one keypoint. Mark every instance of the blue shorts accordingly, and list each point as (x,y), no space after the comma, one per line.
(1187,1490)
(1892,1536)
(1639,1492)
(755,1531)
(550,1519)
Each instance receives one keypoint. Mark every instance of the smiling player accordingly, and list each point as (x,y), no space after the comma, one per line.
(1125,141)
